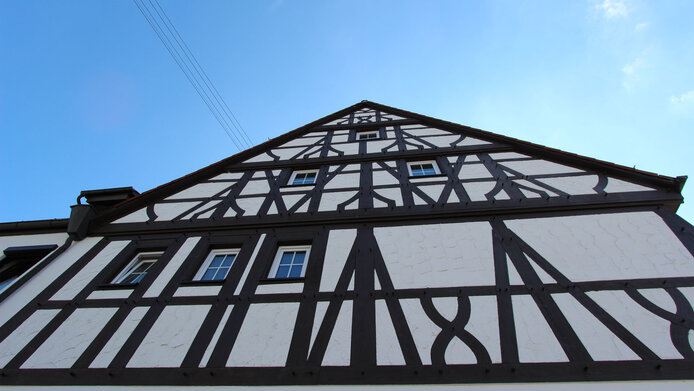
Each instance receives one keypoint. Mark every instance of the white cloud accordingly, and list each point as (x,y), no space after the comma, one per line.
(641,27)
(685,97)
(633,67)
(613,8)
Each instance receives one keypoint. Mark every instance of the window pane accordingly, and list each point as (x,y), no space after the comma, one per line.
(299,257)
(286,258)
(209,275)
(282,272)
(228,260)
(221,273)
(296,271)
(217,261)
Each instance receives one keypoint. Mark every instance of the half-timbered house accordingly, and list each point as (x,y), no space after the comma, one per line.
(373,246)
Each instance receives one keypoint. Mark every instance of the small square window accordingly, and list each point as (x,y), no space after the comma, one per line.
(367,135)
(216,265)
(290,262)
(306,177)
(137,268)
(423,168)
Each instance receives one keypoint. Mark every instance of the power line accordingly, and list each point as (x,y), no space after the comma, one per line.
(193,71)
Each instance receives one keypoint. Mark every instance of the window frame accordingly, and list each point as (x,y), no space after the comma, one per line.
(292,178)
(132,265)
(364,132)
(281,250)
(208,261)
(437,171)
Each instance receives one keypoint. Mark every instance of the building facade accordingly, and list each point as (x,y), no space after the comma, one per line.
(373,246)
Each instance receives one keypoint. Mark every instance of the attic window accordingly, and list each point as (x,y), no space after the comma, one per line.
(371,135)
(15,261)
(426,168)
(290,262)
(217,265)
(305,177)
(137,268)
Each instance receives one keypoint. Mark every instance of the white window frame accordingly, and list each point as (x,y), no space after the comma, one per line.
(132,265)
(367,132)
(205,265)
(278,257)
(295,173)
(432,162)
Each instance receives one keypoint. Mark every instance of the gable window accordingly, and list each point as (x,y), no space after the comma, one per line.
(423,168)
(15,261)
(305,177)
(216,266)
(372,135)
(137,268)
(290,262)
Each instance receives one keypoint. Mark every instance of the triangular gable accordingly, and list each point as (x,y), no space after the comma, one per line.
(491,168)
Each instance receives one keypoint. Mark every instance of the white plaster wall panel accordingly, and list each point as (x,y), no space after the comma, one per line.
(227,176)
(265,335)
(342,138)
(167,211)
(251,261)
(343,181)
(418,200)
(249,205)
(650,329)
(433,191)
(442,141)
(452,159)
(474,171)
(601,343)
(340,132)
(290,200)
(170,269)
(478,190)
(279,288)
(272,210)
(507,155)
(513,277)
(338,350)
(302,141)
(539,167)
(21,336)
(394,194)
(446,306)
(263,157)
(536,341)
(573,185)
(348,148)
(21,297)
(255,187)
(426,179)
(379,204)
(340,242)
(376,146)
(423,330)
(330,201)
(419,130)
(472,141)
(138,216)
(384,178)
(110,294)
(321,309)
(89,271)
(484,324)
(215,337)
(541,273)
(689,294)
(607,246)
(70,339)
(533,186)
(168,340)
(206,205)
(502,195)
(457,352)
(439,255)
(288,153)
(530,194)
(204,290)
(31,240)
(113,346)
(339,121)
(388,350)
(660,298)
(201,190)
(618,186)
(472,158)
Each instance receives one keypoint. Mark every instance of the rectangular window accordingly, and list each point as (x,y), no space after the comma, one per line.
(290,262)
(137,268)
(367,135)
(216,266)
(306,177)
(15,261)
(423,168)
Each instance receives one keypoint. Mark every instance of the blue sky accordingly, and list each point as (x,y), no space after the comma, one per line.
(89,97)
